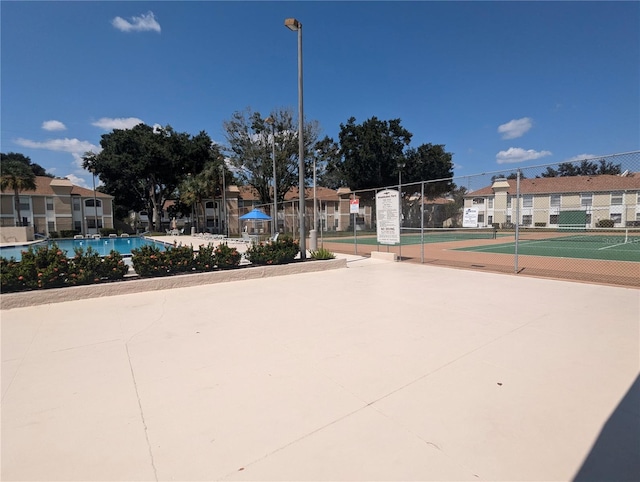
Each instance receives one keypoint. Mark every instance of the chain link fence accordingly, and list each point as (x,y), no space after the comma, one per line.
(576,220)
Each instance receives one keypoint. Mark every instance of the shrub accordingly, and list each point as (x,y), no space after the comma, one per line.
(281,251)
(540,225)
(179,259)
(85,268)
(113,266)
(605,223)
(44,267)
(107,231)
(68,233)
(148,260)
(205,259)
(322,253)
(226,257)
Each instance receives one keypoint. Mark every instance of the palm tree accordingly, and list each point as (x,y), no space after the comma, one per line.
(17,176)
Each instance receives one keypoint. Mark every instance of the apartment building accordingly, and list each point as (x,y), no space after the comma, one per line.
(556,201)
(58,205)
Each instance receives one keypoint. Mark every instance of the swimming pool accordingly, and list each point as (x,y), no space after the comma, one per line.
(103,246)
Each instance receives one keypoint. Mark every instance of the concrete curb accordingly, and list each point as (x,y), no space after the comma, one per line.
(32,298)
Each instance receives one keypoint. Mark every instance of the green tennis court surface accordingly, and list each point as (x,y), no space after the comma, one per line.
(614,246)
(439,235)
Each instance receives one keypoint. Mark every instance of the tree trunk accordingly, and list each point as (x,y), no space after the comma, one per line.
(17,206)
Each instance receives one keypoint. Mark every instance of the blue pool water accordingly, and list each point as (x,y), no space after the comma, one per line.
(103,246)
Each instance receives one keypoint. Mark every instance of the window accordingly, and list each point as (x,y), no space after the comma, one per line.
(553,219)
(616,217)
(508,202)
(555,200)
(478,200)
(50,205)
(51,226)
(91,223)
(526,219)
(89,203)
(509,218)
(586,200)
(490,219)
(588,220)
(337,208)
(480,218)
(209,205)
(490,203)
(616,199)
(76,203)
(24,204)
(77,226)
(527,201)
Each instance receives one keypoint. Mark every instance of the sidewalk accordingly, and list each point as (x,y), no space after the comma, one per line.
(377,371)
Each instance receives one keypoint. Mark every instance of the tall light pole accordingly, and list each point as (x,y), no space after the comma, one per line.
(224,201)
(270,120)
(95,201)
(293,24)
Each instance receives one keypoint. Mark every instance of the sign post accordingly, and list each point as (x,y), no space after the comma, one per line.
(354,208)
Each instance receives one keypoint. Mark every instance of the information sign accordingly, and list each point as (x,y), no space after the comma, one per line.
(388,216)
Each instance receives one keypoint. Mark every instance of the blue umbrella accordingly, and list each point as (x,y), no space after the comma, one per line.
(256,215)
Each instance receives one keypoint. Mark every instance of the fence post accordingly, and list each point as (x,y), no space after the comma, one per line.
(517,233)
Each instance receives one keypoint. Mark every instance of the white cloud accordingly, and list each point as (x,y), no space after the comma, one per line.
(517,154)
(143,23)
(53,125)
(515,128)
(64,145)
(107,123)
(78,181)
(580,157)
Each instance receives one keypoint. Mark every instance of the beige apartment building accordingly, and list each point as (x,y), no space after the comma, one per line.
(58,205)
(545,202)
(333,212)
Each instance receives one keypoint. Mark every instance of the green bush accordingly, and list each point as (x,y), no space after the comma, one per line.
(322,253)
(540,225)
(605,223)
(48,267)
(205,259)
(226,257)
(179,259)
(281,251)
(68,233)
(86,267)
(107,231)
(113,266)
(149,260)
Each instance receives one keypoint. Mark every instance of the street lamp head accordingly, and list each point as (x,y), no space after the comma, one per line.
(292,24)
(270,120)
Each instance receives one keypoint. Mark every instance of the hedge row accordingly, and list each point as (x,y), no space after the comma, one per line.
(49,267)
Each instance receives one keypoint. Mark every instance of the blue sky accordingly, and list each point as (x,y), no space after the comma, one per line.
(501,84)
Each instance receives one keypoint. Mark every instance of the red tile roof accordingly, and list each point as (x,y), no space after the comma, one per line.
(43,188)
(568,184)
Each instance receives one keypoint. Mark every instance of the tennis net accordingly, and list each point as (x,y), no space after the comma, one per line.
(582,234)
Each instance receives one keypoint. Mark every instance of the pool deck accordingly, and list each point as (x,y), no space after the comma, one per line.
(378,371)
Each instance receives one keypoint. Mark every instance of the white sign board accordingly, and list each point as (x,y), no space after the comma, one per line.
(470,218)
(388,216)
(354,206)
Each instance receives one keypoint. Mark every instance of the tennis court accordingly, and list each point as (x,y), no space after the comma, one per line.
(602,244)
(431,235)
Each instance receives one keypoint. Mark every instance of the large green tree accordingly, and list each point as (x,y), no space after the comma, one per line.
(195,189)
(16,176)
(249,148)
(371,152)
(143,166)
(37,169)
(584,168)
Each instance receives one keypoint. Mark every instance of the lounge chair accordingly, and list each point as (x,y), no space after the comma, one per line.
(113,235)
(78,236)
(124,235)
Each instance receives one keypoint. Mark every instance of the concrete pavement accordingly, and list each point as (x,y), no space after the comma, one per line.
(378,371)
